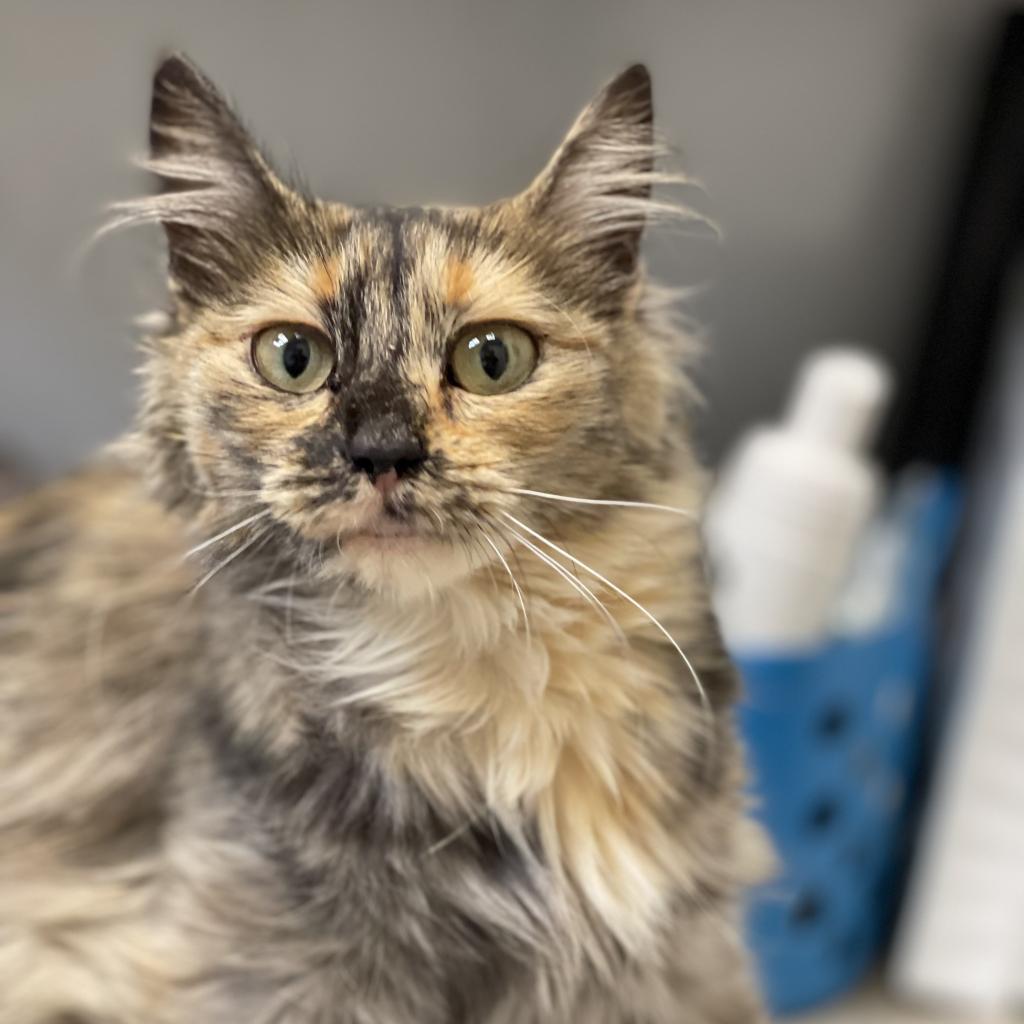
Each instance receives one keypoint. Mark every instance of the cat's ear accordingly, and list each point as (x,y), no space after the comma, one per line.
(593,198)
(218,199)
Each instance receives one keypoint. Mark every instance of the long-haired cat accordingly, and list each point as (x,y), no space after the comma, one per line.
(373,679)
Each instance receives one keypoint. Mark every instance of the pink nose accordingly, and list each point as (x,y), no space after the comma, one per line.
(386,482)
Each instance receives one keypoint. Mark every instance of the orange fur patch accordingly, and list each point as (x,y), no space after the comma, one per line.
(326,277)
(458,282)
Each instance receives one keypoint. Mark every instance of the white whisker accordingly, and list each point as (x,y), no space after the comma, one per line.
(685,513)
(581,588)
(634,602)
(515,582)
(226,533)
(230,558)
(473,548)
(450,838)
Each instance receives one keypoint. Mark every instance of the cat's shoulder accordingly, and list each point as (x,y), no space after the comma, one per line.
(88,565)
(98,521)
(96,634)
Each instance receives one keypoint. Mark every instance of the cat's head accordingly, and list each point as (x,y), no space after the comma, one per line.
(372,391)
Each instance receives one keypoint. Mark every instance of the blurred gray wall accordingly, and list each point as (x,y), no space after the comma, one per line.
(828,134)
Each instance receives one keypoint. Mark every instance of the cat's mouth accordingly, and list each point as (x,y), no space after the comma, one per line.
(383,531)
(383,543)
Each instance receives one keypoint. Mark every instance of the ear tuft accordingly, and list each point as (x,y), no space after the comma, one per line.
(593,199)
(628,97)
(176,82)
(190,117)
(219,202)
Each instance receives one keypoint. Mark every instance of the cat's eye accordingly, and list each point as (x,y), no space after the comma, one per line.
(293,358)
(490,359)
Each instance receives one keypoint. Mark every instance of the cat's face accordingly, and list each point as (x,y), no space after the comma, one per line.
(377,388)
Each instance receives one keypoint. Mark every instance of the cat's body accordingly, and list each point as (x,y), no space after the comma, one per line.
(311,774)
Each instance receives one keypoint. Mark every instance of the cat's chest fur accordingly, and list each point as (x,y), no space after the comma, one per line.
(432,784)
(374,815)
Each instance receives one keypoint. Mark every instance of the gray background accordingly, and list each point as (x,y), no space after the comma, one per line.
(829,135)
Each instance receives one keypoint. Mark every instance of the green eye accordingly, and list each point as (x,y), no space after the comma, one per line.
(292,358)
(490,359)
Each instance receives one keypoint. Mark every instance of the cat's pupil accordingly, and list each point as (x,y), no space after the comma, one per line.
(295,356)
(494,357)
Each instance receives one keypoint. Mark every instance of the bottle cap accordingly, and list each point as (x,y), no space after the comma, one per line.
(838,397)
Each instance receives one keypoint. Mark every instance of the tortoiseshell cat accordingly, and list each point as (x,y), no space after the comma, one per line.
(371,681)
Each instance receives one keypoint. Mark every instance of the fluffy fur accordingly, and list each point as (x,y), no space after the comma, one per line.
(259,764)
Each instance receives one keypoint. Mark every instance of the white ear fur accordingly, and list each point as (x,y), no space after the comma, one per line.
(214,184)
(595,193)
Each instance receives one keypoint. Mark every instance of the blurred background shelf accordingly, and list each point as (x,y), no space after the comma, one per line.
(873,1005)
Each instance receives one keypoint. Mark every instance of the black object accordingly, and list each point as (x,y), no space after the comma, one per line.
(935,419)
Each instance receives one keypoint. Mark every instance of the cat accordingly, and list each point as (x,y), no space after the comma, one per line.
(372,679)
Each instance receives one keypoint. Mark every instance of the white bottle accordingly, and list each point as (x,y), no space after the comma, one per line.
(792,502)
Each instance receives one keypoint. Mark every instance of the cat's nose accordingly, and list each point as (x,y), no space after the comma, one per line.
(386,457)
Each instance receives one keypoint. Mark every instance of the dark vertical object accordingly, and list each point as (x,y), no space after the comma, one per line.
(935,419)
